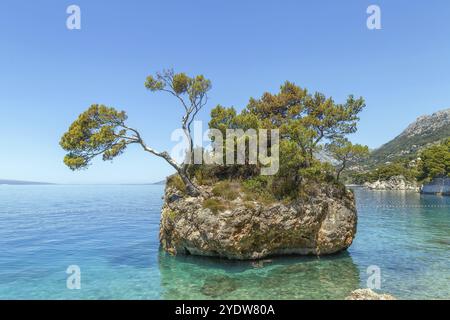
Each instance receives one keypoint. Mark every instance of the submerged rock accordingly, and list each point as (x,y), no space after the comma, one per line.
(437,186)
(291,277)
(393,183)
(323,224)
(368,294)
(215,286)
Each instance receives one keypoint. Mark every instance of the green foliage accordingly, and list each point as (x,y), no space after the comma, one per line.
(346,153)
(357,177)
(215,205)
(226,189)
(302,118)
(97,131)
(210,174)
(223,119)
(413,143)
(304,121)
(101,130)
(176,182)
(435,161)
(257,184)
(179,84)
(386,171)
(259,189)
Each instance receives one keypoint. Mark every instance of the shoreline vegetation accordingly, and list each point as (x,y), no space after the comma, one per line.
(429,168)
(411,161)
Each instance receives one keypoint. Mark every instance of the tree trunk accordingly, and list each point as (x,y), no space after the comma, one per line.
(339,171)
(191,188)
(338,174)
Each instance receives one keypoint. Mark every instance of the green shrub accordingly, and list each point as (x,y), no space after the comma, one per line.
(257,184)
(435,162)
(386,171)
(215,205)
(258,189)
(176,182)
(226,190)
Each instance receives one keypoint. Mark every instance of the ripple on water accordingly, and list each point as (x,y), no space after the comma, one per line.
(111,232)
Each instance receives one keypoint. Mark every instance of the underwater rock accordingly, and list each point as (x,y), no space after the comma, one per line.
(439,185)
(291,277)
(215,286)
(368,294)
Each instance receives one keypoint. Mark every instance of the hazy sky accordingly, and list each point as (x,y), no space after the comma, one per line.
(49,74)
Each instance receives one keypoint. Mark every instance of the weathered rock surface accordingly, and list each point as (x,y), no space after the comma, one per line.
(368,294)
(393,183)
(324,224)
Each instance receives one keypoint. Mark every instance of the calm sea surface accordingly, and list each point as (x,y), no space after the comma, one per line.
(111,233)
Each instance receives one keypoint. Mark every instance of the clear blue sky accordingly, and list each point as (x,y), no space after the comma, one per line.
(49,74)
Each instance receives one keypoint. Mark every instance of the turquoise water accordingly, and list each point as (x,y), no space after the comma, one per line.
(111,233)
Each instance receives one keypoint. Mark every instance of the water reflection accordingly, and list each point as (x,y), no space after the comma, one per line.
(191,277)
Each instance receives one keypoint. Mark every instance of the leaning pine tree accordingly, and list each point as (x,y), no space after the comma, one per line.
(102,130)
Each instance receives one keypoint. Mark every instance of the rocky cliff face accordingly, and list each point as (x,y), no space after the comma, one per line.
(324,224)
(393,183)
(423,132)
(428,124)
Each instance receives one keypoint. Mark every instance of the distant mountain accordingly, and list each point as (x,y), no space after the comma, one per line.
(162,182)
(18,182)
(423,132)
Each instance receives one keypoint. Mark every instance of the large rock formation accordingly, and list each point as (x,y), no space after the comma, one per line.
(393,183)
(323,224)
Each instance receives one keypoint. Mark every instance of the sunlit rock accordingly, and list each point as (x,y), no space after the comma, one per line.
(324,223)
